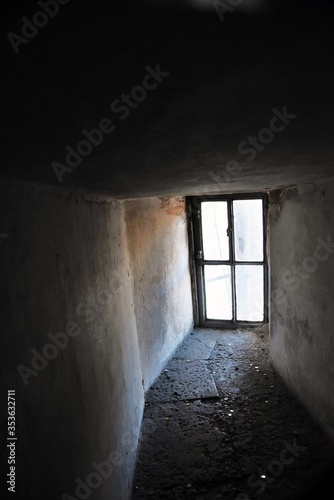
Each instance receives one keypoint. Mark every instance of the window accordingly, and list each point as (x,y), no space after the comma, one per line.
(228,239)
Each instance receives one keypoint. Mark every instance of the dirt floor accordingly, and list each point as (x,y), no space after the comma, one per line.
(219,424)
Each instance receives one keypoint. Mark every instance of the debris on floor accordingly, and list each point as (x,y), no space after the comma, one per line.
(221,425)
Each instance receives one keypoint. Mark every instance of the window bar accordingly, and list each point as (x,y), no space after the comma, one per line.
(231,245)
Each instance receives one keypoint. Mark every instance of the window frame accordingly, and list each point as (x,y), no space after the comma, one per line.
(197,262)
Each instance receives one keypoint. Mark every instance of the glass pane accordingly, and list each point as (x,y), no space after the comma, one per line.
(248,230)
(218,292)
(249,292)
(214,226)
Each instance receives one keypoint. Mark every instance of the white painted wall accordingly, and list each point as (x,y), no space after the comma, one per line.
(302,291)
(158,247)
(119,271)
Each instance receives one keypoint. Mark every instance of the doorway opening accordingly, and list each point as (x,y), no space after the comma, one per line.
(228,259)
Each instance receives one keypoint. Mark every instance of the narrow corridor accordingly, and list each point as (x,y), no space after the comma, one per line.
(219,423)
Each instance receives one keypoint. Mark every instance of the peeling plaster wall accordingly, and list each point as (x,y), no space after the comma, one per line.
(158,247)
(65,259)
(302,290)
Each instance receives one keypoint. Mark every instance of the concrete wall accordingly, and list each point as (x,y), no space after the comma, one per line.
(158,247)
(66,267)
(302,289)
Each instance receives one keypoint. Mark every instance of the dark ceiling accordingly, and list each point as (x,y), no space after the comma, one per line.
(225,78)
